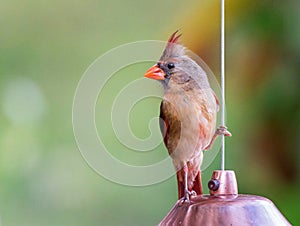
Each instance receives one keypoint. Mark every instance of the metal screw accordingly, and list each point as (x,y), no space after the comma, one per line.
(213,184)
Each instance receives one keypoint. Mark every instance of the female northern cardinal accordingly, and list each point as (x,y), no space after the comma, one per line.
(189,111)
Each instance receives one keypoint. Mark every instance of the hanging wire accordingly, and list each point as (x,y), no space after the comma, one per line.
(223,81)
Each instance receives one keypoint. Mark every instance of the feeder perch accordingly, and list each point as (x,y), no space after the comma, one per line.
(224,206)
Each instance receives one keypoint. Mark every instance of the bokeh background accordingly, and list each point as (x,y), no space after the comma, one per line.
(47,45)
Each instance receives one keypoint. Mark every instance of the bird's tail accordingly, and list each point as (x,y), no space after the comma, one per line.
(194,182)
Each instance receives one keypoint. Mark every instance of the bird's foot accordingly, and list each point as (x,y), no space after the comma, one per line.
(222,130)
(187,196)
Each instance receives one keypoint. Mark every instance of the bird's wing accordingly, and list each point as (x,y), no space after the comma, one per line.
(163,124)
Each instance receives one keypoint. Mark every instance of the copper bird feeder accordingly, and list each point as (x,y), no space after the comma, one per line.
(224,206)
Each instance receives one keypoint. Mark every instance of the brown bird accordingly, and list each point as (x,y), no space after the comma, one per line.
(189,111)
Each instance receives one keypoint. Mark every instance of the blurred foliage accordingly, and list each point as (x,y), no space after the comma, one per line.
(47,45)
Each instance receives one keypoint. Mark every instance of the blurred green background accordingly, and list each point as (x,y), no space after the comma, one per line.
(47,45)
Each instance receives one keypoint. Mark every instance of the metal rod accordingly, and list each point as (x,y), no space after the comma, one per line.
(223,81)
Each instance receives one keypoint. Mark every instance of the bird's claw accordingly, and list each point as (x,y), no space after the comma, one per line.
(222,130)
(188,194)
(192,193)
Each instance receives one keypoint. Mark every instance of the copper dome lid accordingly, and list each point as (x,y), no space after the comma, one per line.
(225,207)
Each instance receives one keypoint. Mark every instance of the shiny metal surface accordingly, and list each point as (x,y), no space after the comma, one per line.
(235,210)
(224,207)
(227,183)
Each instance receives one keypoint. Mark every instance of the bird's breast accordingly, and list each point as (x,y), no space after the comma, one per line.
(191,118)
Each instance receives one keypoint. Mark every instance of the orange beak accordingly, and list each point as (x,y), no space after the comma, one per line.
(155,73)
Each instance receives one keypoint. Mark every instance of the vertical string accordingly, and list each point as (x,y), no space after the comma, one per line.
(223,81)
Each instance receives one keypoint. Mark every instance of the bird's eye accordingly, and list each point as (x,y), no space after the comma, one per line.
(170,65)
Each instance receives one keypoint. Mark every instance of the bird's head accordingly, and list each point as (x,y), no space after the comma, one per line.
(174,65)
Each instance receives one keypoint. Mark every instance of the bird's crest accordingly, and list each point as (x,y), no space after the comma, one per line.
(173,49)
(173,38)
